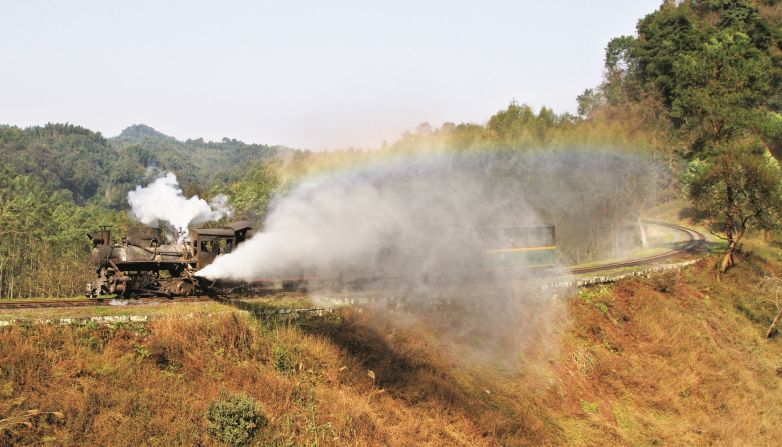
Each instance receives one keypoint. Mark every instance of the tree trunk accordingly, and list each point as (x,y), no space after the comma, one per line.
(730,226)
(727,260)
(733,244)
(774,148)
(773,328)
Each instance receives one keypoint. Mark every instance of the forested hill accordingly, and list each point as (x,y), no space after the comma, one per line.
(195,161)
(87,166)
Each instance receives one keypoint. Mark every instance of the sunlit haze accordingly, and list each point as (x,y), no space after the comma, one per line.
(307,74)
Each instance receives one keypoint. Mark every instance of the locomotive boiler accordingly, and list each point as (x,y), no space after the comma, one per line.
(146,264)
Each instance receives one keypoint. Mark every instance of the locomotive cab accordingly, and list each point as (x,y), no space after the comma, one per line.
(209,243)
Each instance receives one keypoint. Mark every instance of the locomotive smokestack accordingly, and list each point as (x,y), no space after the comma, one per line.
(105,235)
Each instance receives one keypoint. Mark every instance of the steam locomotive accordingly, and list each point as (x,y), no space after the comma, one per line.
(146,264)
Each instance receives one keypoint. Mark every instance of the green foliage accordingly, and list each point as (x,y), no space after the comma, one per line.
(43,248)
(747,180)
(252,195)
(518,126)
(663,37)
(64,156)
(721,89)
(90,167)
(283,360)
(589,101)
(589,407)
(234,420)
(141,350)
(716,65)
(194,161)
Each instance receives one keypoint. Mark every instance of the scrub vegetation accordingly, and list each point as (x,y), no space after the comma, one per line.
(679,359)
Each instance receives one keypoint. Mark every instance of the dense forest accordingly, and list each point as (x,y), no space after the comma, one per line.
(696,90)
(91,168)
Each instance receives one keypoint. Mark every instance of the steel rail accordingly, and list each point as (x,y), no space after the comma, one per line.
(694,240)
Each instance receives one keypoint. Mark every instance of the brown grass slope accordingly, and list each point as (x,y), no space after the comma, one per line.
(673,360)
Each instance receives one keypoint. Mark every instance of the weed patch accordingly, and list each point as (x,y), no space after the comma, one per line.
(234,420)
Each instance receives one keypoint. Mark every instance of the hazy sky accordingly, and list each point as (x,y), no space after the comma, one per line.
(308,74)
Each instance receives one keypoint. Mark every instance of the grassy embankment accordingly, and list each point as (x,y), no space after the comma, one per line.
(679,359)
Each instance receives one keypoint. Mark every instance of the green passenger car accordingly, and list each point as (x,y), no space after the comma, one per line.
(530,246)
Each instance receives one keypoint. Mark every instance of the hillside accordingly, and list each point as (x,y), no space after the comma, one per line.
(89,167)
(197,163)
(671,360)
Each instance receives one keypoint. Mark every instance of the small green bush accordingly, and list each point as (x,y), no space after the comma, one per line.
(283,360)
(588,407)
(234,420)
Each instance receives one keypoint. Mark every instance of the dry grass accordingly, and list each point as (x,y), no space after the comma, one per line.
(161,308)
(671,361)
(674,360)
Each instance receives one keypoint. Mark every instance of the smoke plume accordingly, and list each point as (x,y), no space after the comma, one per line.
(428,225)
(163,201)
(419,220)
(432,216)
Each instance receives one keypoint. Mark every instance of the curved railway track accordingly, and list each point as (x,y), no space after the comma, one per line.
(693,240)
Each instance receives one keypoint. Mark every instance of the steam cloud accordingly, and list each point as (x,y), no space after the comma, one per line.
(427,217)
(163,200)
(419,220)
(426,223)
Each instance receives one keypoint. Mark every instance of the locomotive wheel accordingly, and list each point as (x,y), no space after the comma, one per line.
(185,288)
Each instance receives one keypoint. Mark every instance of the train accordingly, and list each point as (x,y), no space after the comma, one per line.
(146,264)
(521,247)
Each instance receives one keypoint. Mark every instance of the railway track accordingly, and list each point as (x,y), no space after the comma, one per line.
(688,246)
(36,304)
(693,241)
(32,304)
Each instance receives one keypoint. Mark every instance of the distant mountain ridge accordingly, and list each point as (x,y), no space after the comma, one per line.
(141,132)
(92,167)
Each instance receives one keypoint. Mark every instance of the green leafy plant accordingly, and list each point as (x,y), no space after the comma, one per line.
(283,360)
(234,420)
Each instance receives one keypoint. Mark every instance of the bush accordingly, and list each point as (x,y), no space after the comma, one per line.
(234,420)
(283,360)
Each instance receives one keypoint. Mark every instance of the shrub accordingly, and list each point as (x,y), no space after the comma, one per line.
(234,420)
(283,360)
(588,407)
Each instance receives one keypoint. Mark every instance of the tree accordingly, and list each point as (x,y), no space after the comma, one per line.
(720,90)
(716,67)
(251,196)
(589,101)
(737,189)
(772,285)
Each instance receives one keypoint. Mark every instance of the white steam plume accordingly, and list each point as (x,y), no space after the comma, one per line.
(163,200)
(418,219)
(419,230)
(427,223)
(424,217)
